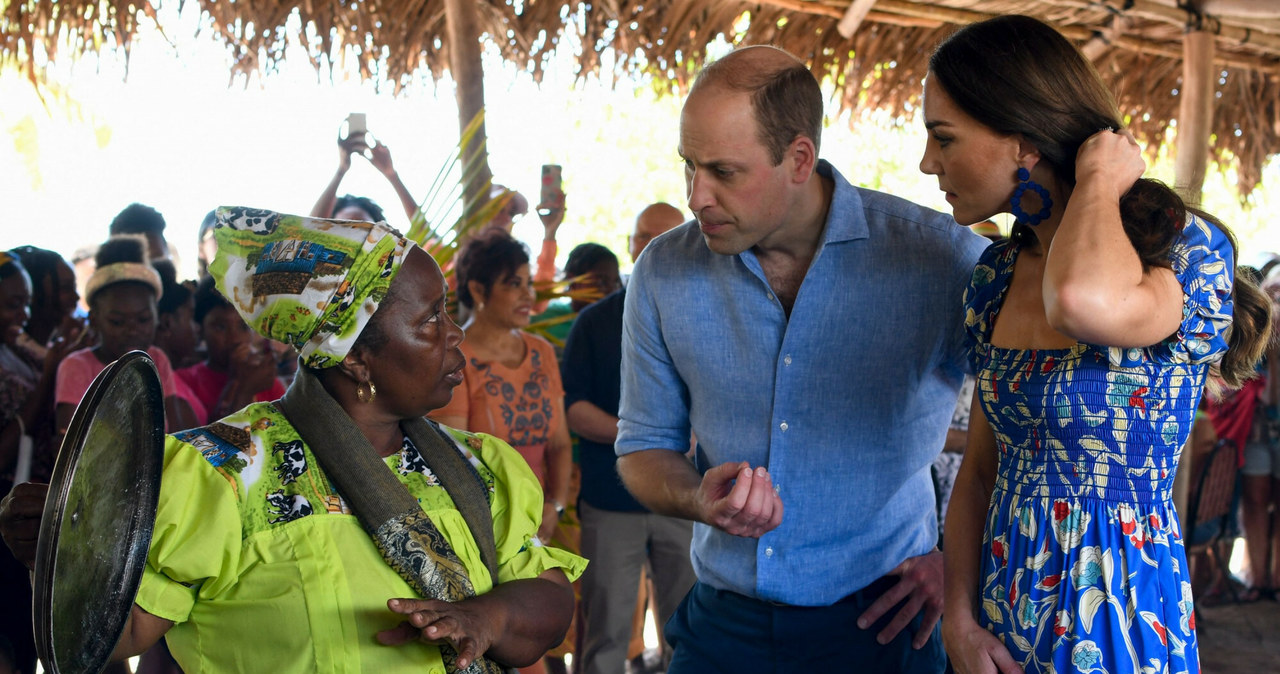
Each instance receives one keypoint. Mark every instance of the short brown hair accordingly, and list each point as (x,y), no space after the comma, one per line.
(785,100)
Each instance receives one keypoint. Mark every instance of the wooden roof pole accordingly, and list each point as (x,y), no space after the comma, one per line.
(463,29)
(853,17)
(1195,113)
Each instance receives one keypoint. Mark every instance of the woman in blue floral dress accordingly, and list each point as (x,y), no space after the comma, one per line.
(1095,327)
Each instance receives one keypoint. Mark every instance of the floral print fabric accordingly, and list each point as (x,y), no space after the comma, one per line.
(1083,565)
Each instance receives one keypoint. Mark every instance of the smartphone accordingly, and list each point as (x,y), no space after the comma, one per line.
(356,124)
(551,187)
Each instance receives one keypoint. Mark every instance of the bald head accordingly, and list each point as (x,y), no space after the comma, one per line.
(785,98)
(652,221)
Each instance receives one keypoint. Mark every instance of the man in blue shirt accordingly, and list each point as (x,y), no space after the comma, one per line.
(810,334)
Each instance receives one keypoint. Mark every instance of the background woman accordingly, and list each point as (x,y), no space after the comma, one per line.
(26,417)
(257,563)
(511,385)
(1095,326)
(54,299)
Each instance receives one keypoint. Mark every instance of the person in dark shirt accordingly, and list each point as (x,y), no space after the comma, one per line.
(619,535)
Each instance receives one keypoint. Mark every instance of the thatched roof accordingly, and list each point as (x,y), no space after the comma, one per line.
(1136,44)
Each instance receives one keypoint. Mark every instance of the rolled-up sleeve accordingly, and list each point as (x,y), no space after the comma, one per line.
(654,410)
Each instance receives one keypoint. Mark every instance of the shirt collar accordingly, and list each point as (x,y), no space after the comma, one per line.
(845,219)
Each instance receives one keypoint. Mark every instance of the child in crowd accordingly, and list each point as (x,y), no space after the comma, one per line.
(122,296)
(178,335)
(236,370)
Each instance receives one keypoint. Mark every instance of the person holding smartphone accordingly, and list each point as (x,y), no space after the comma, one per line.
(351,207)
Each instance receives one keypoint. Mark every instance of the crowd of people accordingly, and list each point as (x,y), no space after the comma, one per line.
(759,437)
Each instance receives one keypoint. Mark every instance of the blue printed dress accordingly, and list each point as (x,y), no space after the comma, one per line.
(1083,566)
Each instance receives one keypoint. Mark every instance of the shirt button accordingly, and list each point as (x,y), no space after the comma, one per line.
(787,360)
(783,426)
(770,296)
(768,552)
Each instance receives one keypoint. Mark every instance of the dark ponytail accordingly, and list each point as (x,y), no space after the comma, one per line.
(1251,328)
(1153,215)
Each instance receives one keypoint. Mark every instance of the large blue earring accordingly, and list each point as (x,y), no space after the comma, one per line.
(1026,183)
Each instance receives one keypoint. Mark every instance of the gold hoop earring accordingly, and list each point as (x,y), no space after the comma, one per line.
(366,397)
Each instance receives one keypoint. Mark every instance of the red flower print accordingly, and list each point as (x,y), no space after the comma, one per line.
(997,549)
(1136,400)
(1127,523)
(1051,581)
(1154,521)
(1060,510)
(1048,365)
(1164,635)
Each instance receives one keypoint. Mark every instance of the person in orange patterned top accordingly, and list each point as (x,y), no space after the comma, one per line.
(511,386)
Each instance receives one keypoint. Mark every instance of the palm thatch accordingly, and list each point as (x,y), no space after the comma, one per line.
(1136,44)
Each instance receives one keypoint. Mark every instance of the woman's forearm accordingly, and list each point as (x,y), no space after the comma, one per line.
(324,205)
(559,470)
(966,517)
(402,192)
(536,612)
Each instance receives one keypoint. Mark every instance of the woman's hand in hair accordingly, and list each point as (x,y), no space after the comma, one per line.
(1111,158)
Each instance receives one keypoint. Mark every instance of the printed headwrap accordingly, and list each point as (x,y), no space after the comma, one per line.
(308,282)
(6,258)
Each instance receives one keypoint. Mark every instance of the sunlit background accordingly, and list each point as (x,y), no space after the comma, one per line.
(179,134)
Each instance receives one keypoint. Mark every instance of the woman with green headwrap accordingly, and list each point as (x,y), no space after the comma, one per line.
(336,529)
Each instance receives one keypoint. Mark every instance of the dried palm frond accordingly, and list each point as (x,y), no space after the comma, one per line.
(1136,45)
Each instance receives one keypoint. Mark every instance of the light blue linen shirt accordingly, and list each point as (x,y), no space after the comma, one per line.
(846,404)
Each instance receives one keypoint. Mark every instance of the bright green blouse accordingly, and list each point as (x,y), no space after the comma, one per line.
(264,568)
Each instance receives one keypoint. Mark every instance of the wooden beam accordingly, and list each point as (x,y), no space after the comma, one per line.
(462,25)
(853,17)
(1229,34)
(1195,115)
(1249,9)
(1103,40)
(898,12)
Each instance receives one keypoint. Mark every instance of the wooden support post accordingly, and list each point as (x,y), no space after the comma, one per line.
(1195,114)
(853,17)
(463,29)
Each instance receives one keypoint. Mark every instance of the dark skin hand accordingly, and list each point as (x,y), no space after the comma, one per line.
(20,514)
(509,624)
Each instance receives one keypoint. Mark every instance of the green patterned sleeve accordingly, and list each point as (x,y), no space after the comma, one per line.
(517,513)
(195,547)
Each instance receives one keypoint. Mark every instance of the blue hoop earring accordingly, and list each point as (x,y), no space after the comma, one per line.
(1026,183)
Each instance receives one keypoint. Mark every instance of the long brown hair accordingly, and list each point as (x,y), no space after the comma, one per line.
(1017,75)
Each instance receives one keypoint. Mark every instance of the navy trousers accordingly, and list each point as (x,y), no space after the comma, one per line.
(721,631)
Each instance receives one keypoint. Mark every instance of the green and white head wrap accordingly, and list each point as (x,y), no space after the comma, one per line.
(308,282)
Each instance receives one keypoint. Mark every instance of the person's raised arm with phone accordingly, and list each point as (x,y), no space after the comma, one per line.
(356,141)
